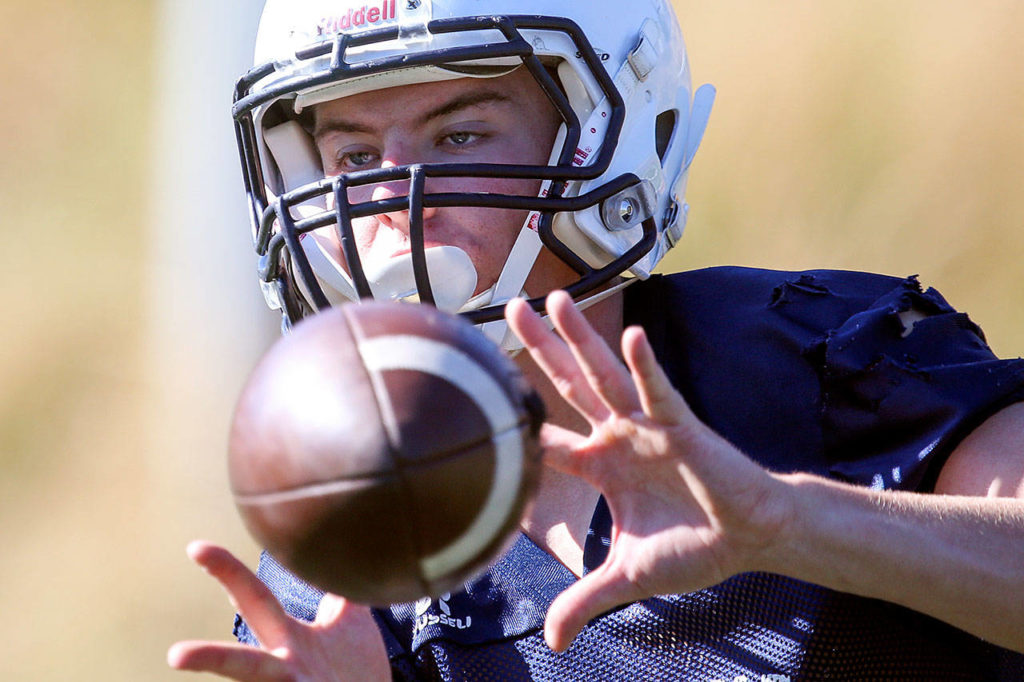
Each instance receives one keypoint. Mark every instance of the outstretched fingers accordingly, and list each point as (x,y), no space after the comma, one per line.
(248,594)
(602,369)
(233,661)
(342,643)
(555,359)
(581,366)
(660,400)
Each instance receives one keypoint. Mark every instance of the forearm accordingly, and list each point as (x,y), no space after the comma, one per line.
(959,559)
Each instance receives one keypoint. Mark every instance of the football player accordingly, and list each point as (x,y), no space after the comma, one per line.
(751,474)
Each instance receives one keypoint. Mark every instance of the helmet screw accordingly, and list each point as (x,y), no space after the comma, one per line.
(626,210)
(412,4)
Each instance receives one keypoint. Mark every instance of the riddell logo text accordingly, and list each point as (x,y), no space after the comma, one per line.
(364,16)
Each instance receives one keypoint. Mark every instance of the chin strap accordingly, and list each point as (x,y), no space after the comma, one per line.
(512,279)
(519,263)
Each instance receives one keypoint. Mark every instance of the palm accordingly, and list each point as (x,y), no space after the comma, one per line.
(674,526)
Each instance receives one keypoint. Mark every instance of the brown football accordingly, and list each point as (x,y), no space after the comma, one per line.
(384,451)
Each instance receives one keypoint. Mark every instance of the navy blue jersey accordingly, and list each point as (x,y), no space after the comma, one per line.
(810,371)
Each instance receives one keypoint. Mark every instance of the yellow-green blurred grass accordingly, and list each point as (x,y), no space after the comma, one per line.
(72,186)
(872,135)
(73,126)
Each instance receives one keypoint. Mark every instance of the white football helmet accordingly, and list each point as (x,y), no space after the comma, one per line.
(611,202)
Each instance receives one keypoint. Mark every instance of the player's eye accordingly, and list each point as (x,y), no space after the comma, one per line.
(356,159)
(460,138)
(349,159)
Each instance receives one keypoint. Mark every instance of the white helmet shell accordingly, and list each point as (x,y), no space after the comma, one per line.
(629,113)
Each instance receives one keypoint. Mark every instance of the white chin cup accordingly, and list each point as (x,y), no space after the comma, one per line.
(452,277)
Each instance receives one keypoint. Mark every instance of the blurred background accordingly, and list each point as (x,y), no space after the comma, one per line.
(885,135)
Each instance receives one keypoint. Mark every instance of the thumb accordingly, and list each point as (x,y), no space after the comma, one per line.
(594,594)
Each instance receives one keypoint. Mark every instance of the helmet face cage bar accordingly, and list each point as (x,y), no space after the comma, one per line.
(282,260)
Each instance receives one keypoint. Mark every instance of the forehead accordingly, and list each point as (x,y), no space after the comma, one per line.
(517,91)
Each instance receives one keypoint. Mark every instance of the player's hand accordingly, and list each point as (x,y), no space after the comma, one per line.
(689,509)
(343,643)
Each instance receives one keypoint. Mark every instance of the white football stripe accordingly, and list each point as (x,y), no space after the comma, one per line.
(442,360)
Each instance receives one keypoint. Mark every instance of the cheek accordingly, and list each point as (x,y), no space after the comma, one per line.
(369,235)
(491,186)
(493,230)
(501,223)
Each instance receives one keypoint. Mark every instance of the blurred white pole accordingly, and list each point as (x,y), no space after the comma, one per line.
(207,320)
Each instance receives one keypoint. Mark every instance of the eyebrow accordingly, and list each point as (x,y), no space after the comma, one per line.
(470,99)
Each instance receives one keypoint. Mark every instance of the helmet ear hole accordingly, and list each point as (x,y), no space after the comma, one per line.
(664,128)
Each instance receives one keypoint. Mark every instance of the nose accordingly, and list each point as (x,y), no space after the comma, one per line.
(398,219)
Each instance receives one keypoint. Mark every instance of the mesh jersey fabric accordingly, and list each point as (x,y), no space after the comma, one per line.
(811,371)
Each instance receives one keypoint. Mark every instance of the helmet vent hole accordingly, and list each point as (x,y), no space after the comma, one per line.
(664,126)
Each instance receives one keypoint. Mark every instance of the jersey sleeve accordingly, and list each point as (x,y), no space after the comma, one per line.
(821,371)
(902,383)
